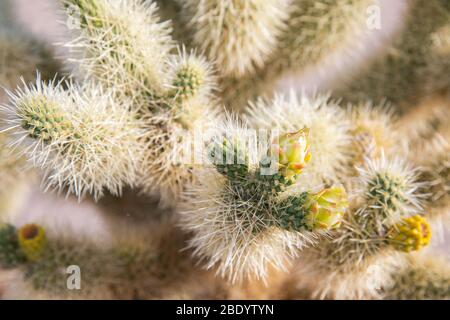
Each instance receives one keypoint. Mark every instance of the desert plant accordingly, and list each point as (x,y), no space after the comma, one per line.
(336,195)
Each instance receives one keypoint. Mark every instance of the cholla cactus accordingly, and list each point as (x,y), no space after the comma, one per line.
(247,211)
(12,175)
(239,35)
(390,189)
(78,136)
(317,27)
(410,234)
(135,265)
(114,129)
(10,253)
(336,195)
(424,277)
(255,42)
(313,28)
(362,255)
(136,65)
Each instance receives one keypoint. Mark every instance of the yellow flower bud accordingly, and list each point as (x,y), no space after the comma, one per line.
(411,234)
(293,152)
(326,208)
(32,241)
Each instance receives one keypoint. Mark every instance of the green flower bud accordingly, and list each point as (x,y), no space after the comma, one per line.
(293,152)
(326,208)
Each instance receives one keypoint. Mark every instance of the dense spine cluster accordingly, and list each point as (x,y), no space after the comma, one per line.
(424,277)
(324,195)
(238,35)
(251,213)
(21,55)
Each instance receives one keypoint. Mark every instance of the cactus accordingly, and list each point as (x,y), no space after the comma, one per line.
(146,112)
(361,256)
(248,215)
(10,253)
(413,65)
(13,175)
(32,241)
(326,208)
(267,39)
(327,194)
(424,277)
(313,30)
(239,35)
(20,56)
(412,233)
(373,132)
(137,62)
(134,266)
(76,135)
(293,152)
(327,123)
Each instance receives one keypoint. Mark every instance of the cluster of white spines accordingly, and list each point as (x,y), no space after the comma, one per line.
(192,87)
(20,56)
(230,236)
(238,35)
(133,117)
(229,231)
(390,187)
(244,220)
(78,136)
(360,257)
